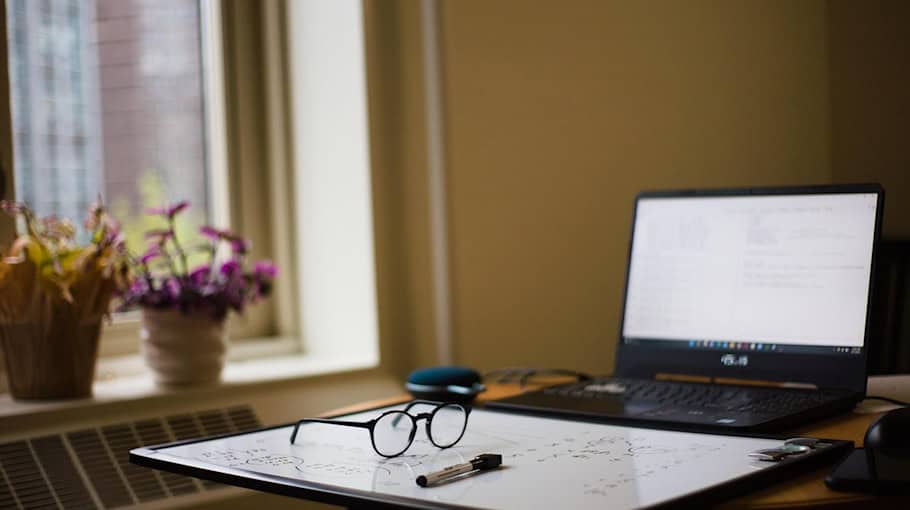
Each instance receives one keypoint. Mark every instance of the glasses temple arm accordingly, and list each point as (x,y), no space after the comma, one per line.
(358,424)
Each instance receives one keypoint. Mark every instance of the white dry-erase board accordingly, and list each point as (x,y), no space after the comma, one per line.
(547,463)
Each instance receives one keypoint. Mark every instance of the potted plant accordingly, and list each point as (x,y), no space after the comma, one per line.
(54,292)
(184,306)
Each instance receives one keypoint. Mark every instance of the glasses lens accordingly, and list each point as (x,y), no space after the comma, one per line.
(448,424)
(393,433)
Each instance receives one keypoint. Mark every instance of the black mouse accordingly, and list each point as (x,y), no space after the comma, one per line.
(890,432)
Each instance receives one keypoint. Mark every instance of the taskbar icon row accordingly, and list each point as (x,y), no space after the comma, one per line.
(739,346)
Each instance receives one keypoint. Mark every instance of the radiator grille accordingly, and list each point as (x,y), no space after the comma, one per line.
(89,469)
(153,432)
(97,464)
(61,473)
(25,477)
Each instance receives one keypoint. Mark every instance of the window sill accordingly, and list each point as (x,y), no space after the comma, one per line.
(125,379)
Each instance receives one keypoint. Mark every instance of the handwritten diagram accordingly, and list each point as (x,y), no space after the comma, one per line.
(590,462)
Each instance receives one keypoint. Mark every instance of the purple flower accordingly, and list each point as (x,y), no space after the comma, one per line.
(172,288)
(151,253)
(211,232)
(217,234)
(139,286)
(230,268)
(213,288)
(159,235)
(200,275)
(168,212)
(265,269)
(240,246)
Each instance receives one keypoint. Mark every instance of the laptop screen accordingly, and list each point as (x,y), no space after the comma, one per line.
(772,273)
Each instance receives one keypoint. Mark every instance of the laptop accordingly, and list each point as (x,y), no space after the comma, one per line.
(744,309)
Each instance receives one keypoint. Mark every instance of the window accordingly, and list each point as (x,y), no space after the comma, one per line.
(332,178)
(108,97)
(211,101)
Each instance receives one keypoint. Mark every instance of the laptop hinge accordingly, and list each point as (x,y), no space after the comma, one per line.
(733,381)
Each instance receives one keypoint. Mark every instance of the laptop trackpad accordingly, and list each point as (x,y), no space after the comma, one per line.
(634,407)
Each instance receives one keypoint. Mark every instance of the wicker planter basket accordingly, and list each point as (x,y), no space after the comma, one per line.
(54,292)
(51,359)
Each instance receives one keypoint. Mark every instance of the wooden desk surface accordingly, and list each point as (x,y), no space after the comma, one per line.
(807,491)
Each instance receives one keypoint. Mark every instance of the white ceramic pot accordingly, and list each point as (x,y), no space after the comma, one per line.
(183,350)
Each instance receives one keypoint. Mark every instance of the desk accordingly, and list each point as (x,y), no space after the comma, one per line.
(807,491)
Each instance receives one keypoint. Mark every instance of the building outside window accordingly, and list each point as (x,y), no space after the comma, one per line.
(107,98)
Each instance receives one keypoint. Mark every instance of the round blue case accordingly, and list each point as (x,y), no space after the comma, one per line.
(446,384)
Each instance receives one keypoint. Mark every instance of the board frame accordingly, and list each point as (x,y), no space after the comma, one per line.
(356,498)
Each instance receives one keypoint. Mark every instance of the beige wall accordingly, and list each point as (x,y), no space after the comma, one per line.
(398,153)
(870,100)
(559,112)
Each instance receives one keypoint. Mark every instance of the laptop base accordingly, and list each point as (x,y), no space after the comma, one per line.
(682,406)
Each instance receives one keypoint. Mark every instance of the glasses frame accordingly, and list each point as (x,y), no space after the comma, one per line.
(371,424)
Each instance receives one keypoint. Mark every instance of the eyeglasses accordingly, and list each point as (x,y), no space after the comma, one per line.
(393,431)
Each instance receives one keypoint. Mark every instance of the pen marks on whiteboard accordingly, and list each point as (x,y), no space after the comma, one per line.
(229,457)
(275,461)
(342,469)
(649,460)
(649,450)
(336,448)
(603,486)
(614,449)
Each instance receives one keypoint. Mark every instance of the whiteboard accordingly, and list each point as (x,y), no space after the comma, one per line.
(547,462)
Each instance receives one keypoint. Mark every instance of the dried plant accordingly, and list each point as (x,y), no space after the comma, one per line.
(48,276)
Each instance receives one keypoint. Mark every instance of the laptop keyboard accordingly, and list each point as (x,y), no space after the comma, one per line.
(706,396)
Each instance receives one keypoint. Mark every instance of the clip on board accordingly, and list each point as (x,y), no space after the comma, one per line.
(546,462)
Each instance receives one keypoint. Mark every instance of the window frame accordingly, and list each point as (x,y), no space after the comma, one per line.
(259,163)
(7,180)
(246,130)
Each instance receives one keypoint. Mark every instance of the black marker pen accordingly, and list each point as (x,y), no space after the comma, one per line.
(480,463)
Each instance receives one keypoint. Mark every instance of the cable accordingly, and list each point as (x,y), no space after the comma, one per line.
(888,399)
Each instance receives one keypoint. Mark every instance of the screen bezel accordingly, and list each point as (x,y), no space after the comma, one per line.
(825,371)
